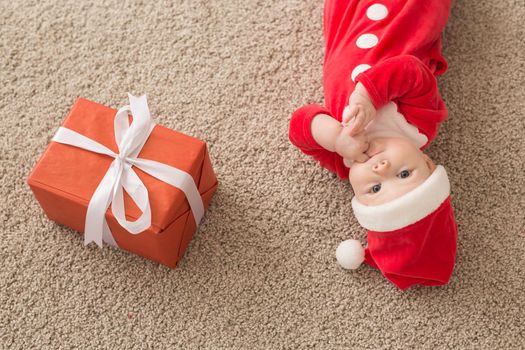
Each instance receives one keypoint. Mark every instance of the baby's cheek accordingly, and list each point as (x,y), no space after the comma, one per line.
(355,190)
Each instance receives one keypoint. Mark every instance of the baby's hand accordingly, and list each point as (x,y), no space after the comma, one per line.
(351,147)
(360,110)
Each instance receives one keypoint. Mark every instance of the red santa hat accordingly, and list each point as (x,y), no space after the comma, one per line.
(412,239)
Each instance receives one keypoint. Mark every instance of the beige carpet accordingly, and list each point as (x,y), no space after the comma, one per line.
(260,272)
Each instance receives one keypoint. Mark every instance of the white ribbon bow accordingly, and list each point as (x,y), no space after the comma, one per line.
(121,176)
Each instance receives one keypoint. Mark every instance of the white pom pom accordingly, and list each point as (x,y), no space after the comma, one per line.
(350,254)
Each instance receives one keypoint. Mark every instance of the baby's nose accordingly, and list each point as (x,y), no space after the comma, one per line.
(380,166)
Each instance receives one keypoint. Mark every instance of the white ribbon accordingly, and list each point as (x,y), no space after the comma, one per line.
(121,177)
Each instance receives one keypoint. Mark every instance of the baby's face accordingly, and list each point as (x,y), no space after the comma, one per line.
(395,167)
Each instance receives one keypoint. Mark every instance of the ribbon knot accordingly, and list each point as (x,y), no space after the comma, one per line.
(120,177)
(122,158)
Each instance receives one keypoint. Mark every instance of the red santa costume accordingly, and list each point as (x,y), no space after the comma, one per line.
(393,48)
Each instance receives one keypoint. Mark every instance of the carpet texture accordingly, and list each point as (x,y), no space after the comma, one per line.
(260,272)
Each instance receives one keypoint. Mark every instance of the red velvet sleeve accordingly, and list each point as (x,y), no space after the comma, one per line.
(300,135)
(412,86)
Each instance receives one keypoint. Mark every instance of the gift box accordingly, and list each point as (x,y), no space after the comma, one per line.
(68,180)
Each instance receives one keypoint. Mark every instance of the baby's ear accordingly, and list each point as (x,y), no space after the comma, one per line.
(430,163)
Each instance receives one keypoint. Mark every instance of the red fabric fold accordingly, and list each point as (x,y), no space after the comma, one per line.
(422,253)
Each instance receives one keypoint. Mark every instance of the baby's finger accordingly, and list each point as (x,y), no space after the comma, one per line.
(360,137)
(363,147)
(358,124)
(361,158)
(349,113)
(346,115)
(348,162)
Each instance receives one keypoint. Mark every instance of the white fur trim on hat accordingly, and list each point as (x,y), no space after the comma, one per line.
(407,209)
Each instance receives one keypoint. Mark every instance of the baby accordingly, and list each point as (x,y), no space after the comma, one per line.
(382,108)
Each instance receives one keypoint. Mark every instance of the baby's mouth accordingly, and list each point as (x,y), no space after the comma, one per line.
(373,150)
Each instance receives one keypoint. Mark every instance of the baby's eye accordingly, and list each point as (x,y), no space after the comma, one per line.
(404,174)
(375,188)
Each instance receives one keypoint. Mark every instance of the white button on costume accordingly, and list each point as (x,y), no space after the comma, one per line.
(359,69)
(377,12)
(367,41)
